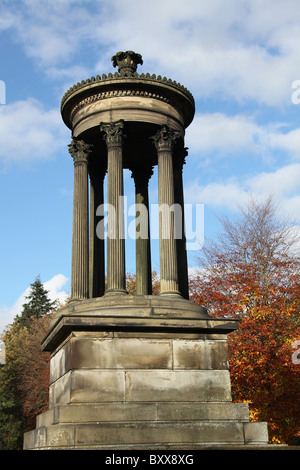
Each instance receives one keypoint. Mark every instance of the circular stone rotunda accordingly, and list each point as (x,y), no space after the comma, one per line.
(134,371)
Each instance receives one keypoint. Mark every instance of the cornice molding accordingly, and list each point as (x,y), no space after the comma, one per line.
(135,78)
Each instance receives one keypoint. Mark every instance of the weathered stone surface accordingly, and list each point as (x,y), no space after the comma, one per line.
(101,412)
(178,385)
(200,354)
(127,313)
(97,386)
(60,435)
(159,433)
(256,433)
(156,411)
(202,411)
(140,434)
(130,353)
(137,353)
(165,385)
(60,391)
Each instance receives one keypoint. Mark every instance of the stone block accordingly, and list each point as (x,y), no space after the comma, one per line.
(97,386)
(29,440)
(60,390)
(111,434)
(87,386)
(60,362)
(103,412)
(256,433)
(60,435)
(189,354)
(40,437)
(202,411)
(217,354)
(46,419)
(131,353)
(177,385)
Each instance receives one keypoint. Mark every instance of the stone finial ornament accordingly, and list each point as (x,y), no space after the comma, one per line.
(127,62)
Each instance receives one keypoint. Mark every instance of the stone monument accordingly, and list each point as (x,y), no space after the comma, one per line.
(134,371)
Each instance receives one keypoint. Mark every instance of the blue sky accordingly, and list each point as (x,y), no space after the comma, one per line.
(239,59)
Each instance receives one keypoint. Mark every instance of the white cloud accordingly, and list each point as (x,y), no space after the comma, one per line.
(282,184)
(288,142)
(216,132)
(29,132)
(240,134)
(244,50)
(54,286)
(215,194)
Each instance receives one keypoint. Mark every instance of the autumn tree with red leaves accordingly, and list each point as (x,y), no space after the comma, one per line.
(251,273)
(24,378)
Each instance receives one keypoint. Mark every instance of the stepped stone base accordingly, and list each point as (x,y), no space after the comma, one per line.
(146,381)
(83,426)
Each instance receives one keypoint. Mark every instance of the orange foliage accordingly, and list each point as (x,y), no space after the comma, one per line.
(252,273)
(30,365)
(131,283)
(261,367)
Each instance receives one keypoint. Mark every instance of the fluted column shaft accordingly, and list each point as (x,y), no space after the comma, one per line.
(116,281)
(143,251)
(96,253)
(80,238)
(164,141)
(181,241)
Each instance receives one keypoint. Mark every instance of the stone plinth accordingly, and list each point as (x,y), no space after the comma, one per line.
(145,378)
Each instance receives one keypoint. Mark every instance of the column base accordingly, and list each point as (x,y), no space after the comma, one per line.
(174,293)
(115,292)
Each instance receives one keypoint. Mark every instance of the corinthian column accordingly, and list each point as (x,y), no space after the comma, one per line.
(141,178)
(113,135)
(164,141)
(97,258)
(80,239)
(183,280)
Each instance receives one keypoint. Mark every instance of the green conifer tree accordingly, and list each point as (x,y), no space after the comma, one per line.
(37,305)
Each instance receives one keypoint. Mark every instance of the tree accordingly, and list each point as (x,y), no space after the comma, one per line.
(11,421)
(252,273)
(24,378)
(131,283)
(31,367)
(37,305)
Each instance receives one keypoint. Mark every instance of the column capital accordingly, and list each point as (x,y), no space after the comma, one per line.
(79,150)
(113,133)
(165,138)
(141,174)
(96,172)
